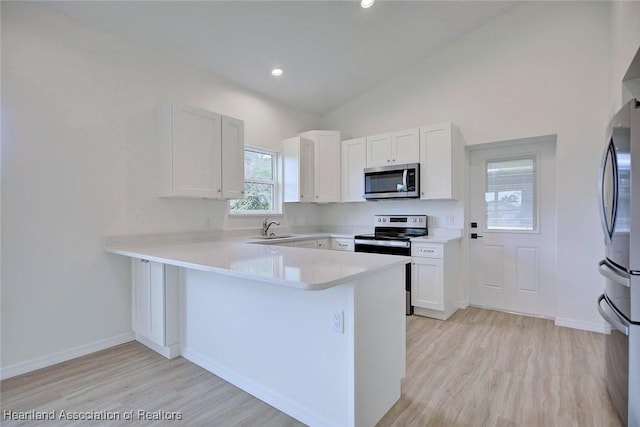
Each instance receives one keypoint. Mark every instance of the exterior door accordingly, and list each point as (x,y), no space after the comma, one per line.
(513,228)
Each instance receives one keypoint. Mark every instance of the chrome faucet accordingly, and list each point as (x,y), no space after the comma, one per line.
(266,225)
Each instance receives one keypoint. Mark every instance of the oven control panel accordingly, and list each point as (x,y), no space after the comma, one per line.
(400,221)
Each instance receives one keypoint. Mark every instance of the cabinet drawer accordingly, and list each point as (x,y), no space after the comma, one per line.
(427,251)
(342,245)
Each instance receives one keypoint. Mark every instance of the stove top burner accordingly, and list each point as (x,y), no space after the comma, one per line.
(398,228)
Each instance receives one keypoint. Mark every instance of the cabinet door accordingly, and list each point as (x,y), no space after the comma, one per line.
(297,154)
(311,244)
(232,158)
(379,150)
(437,162)
(307,171)
(140,282)
(322,244)
(427,284)
(196,153)
(342,244)
(406,146)
(353,161)
(327,166)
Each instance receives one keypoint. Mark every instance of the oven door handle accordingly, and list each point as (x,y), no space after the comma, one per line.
(613,274)
(388,244)
(609,314)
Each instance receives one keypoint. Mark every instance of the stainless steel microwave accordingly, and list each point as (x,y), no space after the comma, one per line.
(392,182)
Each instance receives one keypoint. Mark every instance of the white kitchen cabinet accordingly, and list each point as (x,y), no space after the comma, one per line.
(434,282)
(323,244)
(309,243)
(312,244)
(232,158)
(342,244)
(399,147)
(440,161)
(326,156)
(298,170)
(201,153)
(156,306)
(353,162)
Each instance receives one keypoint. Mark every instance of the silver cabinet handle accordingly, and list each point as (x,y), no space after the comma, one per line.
(609,314)
(619,277)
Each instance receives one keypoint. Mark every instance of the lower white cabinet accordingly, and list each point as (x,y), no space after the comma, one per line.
(311,244)
(342,244)
(156,306)
(434,282)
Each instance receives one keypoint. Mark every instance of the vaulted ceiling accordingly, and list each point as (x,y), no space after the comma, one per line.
(331,51)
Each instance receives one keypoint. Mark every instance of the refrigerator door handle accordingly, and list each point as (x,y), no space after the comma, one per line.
(608,313)
(613,274)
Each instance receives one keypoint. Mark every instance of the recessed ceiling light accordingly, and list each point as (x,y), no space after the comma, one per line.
(366,3)
(277,72)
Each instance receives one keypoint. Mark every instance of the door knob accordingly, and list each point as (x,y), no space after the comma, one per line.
(475,236)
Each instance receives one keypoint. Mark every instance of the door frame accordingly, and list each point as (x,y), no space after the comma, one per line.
(466,231)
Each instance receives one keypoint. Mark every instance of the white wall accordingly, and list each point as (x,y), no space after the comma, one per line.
(625,27)
(78,135)
(543,68)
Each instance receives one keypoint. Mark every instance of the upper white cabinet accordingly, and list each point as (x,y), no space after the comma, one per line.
(353,160)
(201,153)
(326,149)
(232,158)
(393,148)
(440,161)
(298,170)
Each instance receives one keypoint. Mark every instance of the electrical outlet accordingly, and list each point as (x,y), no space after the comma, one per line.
(449,220)
(337,321)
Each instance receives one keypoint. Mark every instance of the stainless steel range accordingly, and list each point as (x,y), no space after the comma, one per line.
(392,235)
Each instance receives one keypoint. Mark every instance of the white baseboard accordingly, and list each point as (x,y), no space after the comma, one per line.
(170,352)
(63,356)
(602,328)
(267,395)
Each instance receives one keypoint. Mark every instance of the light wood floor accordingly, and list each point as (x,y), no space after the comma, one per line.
(479,368)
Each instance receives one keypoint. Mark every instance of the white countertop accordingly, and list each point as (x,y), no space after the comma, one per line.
(435,239)
(301,268)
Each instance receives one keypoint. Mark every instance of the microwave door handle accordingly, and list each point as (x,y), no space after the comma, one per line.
(404,180)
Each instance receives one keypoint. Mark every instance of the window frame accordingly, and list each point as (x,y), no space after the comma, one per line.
(276,182)
(535,156)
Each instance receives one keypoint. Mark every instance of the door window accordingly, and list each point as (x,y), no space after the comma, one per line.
(510,195)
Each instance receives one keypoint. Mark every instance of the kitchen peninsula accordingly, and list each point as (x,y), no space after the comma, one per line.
(318,334)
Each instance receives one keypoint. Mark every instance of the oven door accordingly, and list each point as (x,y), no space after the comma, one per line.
(387,247)
(390,247)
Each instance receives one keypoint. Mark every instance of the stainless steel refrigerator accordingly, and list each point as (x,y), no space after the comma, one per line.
(620,304)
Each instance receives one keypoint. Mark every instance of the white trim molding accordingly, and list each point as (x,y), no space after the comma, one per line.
(602,328)
(64,355)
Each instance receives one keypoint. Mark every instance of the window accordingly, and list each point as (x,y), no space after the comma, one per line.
(510,195)
(261,194)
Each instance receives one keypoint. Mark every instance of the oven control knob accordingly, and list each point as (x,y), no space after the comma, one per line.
(413,220)
(379,219)
(384,219)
